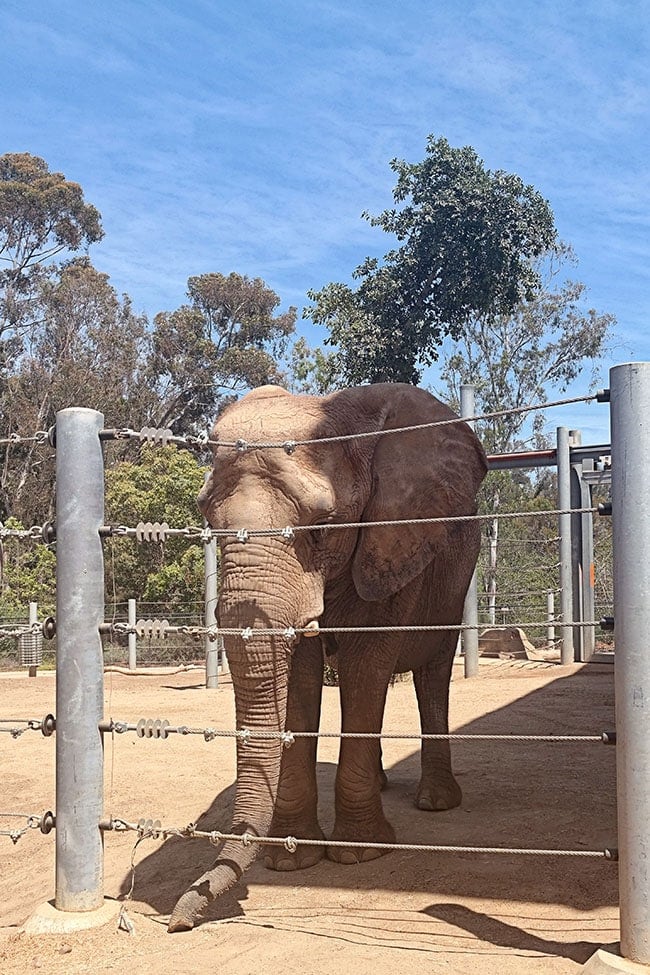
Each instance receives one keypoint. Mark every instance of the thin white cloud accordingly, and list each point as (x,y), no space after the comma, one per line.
(250,137)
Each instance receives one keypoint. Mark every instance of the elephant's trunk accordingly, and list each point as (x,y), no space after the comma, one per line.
(260,677)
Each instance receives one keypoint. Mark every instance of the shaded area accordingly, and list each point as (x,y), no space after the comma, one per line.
(505,935)
(515,795)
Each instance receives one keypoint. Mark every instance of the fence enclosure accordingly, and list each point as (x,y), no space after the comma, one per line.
(80,515)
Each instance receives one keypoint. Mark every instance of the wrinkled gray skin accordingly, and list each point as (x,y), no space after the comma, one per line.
(375,577)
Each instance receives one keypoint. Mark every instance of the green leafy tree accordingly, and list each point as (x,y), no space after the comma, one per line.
(518,359)
(467,242)
(28,575)
(162,485)
(513,361)
(226,339)
(313,370)
(87,350)
(43,218)
(517,565)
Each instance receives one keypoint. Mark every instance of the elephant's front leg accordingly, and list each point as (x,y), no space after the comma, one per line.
(360,777)
(438,789)
(295,811)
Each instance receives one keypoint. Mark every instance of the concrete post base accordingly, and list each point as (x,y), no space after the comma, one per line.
(46,919)
(604,963)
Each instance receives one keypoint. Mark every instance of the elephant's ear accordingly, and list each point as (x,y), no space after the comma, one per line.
(427,473)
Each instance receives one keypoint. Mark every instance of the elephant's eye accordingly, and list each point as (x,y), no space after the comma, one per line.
(317,535)
(319,531)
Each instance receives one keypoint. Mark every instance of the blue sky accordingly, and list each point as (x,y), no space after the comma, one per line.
(226,135)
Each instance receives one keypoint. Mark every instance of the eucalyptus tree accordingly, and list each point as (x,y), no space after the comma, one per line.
(86,350)
(44,219)
(517,360)
(227,338)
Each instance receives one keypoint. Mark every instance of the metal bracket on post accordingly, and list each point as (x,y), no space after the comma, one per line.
(470,612)
(79,660)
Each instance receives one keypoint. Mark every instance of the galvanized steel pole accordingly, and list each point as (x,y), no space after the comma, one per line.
(630,413)
(33,620)
(211,646)
(79,661)
(550,619)
(566,576)
(470,615)
(133,638)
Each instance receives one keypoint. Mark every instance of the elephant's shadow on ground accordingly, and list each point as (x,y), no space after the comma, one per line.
(516,795)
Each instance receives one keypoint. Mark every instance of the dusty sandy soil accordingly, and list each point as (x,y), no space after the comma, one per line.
(406,911)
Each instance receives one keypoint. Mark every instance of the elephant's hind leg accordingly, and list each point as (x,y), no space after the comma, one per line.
(295,811)
(438,789)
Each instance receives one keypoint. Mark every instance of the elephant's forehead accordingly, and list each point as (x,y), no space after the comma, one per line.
(256,490)
(258,418)
(256,469)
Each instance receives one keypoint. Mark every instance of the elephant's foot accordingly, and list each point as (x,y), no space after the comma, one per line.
(187,911)
(381,832)
(279,858)
(436,795)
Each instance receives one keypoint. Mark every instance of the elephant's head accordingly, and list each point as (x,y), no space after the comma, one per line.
(276,583)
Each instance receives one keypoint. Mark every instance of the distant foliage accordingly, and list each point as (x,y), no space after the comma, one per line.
(467,241)
(227,339)
(28,576)
(161,485)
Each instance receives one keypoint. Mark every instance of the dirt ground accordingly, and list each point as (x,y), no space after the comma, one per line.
(410,911)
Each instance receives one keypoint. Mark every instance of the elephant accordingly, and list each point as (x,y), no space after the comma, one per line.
(352,470)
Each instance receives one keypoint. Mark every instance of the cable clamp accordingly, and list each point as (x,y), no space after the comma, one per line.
(152,629)
(150,827)
(151,531)
(155,435)
(148,728)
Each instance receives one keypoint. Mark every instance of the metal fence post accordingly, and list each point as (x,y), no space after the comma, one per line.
(33,619)
(550,619)
(470,614)
(566,575)
(133,638)
(575,467)
(630,409)
(211,646)
(79,664)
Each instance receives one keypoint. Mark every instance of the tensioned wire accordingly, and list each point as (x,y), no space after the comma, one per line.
(154,830)
(152,435)
(291,444)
